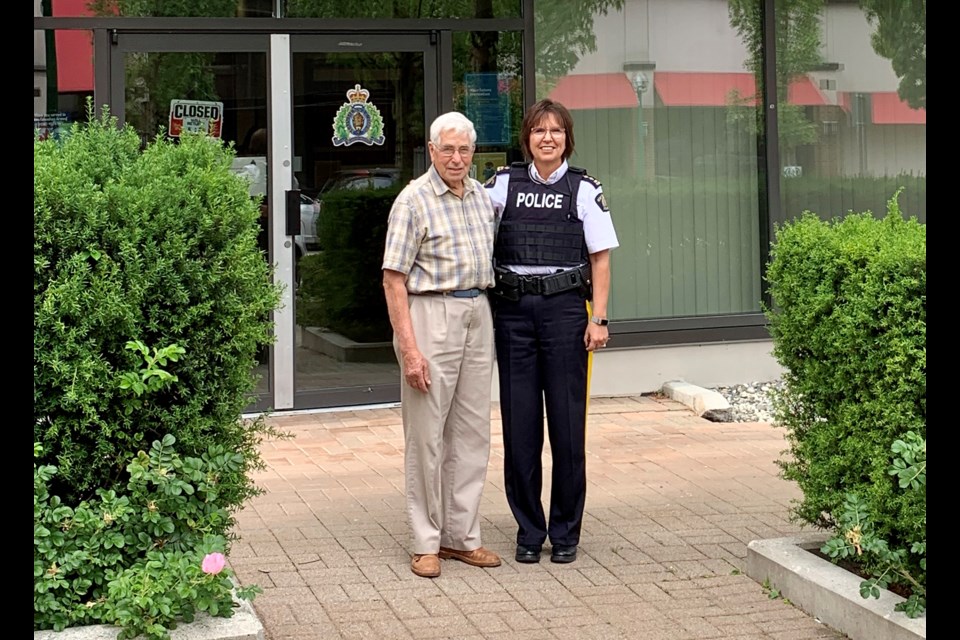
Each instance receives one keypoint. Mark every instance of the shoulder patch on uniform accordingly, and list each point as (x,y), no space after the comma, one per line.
(602,202)
(589,178)
(492,180)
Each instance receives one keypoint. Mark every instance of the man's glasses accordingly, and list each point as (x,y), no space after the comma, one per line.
(447,151)
(540,132)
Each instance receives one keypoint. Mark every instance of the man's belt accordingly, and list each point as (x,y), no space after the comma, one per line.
(512,285)
(459,293)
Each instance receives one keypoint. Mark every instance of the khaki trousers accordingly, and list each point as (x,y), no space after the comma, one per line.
(447,429)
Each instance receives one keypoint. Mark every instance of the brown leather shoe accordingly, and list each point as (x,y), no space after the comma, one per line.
(425,565)
(478,557)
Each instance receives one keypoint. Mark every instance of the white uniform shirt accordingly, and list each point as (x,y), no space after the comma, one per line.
(591,209)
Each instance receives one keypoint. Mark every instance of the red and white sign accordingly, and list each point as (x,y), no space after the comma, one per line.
(196,116)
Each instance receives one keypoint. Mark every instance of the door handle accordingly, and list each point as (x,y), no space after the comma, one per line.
(293,212)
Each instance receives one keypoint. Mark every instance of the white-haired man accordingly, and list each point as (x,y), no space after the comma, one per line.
(437,266)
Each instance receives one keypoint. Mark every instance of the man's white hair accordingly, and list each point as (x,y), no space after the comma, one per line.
(452,121)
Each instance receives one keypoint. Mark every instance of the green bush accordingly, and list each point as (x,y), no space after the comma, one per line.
(151,300)
(156,246)
(341,288)
(848,321)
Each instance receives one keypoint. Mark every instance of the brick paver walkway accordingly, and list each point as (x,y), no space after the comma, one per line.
(672,502)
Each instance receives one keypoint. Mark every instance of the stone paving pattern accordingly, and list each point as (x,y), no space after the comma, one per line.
(672,502)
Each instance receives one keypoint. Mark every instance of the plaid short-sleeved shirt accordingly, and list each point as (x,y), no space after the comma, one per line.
(441,242)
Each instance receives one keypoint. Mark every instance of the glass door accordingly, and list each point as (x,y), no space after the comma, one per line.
(329,128)
(218,83)
(361,111)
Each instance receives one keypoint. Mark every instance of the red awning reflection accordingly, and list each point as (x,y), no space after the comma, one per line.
(74,49)
(888,108)
(701,89)
(595,91)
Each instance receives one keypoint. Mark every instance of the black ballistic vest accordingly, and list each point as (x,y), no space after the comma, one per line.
(539,225)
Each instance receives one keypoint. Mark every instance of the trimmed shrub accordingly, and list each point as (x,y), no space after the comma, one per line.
(848,321)
(151,300)
(156,246)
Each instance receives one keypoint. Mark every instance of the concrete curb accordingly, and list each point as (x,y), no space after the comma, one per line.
(828,592)
(243,625)
(343,349)
(704,402)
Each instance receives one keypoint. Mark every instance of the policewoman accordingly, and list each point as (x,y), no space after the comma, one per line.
(552,271)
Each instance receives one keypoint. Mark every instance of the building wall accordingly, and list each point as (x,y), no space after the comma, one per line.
(846,40)
(679,35)
(690,232)
(627,372)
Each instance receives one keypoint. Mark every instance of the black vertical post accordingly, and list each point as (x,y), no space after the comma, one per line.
(50,50)
(529,56)
(768,141)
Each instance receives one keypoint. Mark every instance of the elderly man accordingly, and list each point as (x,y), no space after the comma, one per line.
(437,266)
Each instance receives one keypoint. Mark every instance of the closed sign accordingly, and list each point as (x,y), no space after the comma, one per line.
(196,116)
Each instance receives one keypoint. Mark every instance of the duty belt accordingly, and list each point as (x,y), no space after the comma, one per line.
(512,285)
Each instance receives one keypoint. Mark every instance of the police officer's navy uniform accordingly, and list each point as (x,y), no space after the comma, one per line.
(547,229)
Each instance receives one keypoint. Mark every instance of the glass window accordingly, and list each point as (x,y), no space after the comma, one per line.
(291,8)
(854,127)
(62,79)
(488,89)
(166,9)
(670,131)
(223,94)
(236,81)
(402,9)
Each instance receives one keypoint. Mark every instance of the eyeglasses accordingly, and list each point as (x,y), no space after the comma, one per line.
(540,132)
(447,152)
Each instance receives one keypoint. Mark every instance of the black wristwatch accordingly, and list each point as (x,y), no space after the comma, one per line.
(600,321)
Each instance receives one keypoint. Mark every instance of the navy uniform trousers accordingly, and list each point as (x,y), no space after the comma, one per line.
(542,361)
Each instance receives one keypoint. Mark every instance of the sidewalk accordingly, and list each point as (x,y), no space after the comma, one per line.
(672,502)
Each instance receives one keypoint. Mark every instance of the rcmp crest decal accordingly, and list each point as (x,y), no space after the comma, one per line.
(357,120)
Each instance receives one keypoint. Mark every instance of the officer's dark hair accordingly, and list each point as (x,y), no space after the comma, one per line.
(535,114)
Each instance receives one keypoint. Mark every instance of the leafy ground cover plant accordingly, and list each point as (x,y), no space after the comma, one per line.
(857,540)
(144,559)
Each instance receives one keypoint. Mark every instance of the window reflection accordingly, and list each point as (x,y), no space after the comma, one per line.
(674,132)
(488,89)
(61,86)
(868,120)
(670,131)
(205,9)
(402,9)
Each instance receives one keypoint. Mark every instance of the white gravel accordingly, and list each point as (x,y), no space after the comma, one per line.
(750,402)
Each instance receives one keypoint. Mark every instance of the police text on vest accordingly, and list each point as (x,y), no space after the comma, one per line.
(540,200)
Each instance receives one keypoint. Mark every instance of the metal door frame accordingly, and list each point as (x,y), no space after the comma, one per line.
(279,49)
(430,44)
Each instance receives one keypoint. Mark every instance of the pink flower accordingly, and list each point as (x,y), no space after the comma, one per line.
(213,563)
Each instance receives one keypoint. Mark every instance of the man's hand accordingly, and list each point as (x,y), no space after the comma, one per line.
(416,370)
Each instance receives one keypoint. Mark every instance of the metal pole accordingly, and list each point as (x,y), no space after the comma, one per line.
(640,159)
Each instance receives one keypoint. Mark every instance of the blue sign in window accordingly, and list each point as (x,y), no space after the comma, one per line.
(488,106)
